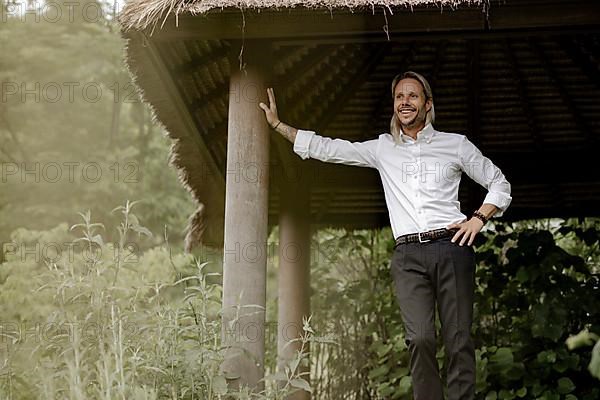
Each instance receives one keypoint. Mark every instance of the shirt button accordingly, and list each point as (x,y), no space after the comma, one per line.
(414,177)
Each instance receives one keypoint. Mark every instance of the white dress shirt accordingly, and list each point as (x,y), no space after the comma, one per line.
(420,177)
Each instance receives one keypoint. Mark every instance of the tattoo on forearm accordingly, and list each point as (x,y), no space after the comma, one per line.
(288,132)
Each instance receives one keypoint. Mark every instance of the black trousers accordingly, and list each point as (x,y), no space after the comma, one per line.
(423,273)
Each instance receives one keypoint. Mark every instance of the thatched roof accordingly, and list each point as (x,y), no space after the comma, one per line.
(206,224)
(521,80)
(140,14)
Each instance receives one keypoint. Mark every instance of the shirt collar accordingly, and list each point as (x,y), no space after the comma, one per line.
(424,134)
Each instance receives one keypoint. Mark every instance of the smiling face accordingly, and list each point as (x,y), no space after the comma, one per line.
(410,104)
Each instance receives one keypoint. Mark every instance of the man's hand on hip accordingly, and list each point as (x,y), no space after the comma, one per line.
(467,229)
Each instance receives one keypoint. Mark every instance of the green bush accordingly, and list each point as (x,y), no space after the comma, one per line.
(531,294)
(535,284)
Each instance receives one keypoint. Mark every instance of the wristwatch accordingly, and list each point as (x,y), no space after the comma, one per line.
(479,215)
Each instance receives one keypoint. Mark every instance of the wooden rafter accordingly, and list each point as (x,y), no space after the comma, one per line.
(200,59)
(569,102)
(531,119)
(405,37)
(173,91)
(440,51)
(474,83)
(574,49)
(314,57)
(353,84)
(569,99)
(530,116)
(214,94)
(322,210)
(304,97)
(319,92)
(521,88)
(474,114)
(189,110)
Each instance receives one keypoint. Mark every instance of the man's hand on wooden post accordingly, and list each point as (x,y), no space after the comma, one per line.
(271,110)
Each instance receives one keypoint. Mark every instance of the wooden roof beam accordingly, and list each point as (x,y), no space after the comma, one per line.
(352,85)
(474,83)
(574,49)
(578,120)
(214,94)
(313,58)
(568,99)
(440,51)
(173,91)
(523,95)
(474,114)
(316,60)
(217,92)
(324,206)
(199,60)
(287,167)
(543,15)
(529,114)
(188,110)
(442,35)
(288,101)
(317,93)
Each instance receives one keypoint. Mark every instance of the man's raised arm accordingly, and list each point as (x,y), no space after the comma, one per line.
(307,144)
(288,132)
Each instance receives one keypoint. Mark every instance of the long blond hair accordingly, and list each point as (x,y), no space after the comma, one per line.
(395,125)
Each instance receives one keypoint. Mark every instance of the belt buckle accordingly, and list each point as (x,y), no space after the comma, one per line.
(423,241)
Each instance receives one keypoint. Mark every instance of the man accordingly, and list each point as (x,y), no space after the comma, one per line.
(420,169)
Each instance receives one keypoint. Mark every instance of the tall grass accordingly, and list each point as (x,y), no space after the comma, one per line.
(106,323)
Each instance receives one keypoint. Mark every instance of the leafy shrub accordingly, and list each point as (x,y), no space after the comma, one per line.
(531,294)
(535,284)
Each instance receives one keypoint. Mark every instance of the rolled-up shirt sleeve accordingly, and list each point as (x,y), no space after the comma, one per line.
(340,151)
(483,171)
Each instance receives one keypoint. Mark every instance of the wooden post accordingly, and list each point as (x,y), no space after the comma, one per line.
(294,273)
(246,202)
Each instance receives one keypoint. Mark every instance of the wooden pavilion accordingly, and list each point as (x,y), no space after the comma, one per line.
(520,78)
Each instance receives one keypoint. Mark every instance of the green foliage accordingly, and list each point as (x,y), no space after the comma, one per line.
(108,323)
(585,338)
(73,133)
(356,306)
(536,283)
(531,294)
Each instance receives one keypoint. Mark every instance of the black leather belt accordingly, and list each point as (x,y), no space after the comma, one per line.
(425,236)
